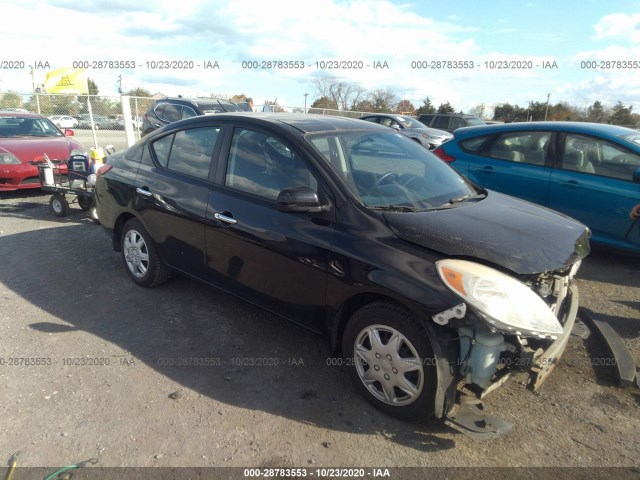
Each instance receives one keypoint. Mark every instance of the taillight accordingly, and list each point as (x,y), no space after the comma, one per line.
(444,155)
(103,169)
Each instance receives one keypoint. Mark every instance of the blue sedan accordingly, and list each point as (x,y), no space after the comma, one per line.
(585,170)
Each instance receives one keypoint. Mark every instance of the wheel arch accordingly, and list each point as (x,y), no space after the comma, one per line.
(117,229)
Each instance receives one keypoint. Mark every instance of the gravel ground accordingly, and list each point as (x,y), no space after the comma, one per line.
(109,384)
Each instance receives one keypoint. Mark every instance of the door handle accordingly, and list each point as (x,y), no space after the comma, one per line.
(144,191)
(225,218)
(572,184)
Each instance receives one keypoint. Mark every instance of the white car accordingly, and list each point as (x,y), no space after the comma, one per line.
(64,121)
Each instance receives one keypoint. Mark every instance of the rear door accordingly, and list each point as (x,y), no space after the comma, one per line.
(172,189)
(515,163)
(272,258)
(594,184)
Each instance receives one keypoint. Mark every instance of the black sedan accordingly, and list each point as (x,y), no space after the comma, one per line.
(422,281)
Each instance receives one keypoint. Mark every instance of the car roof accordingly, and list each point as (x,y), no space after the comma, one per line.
(581,127)
(10,113)
(304,122)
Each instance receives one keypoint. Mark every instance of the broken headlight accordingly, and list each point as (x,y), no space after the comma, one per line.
(505,303)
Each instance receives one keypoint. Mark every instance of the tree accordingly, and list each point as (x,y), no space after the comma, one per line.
(383,100)
(138,92)
(340,92)
(405,106)
(446,108)
(621,115)
(238,98)
(426,107)
(11,100)
(597,113)
(322,103)
(363,106)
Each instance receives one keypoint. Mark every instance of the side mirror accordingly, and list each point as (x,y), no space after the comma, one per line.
(68,132)
(395,126)
(299,200)
(636,175)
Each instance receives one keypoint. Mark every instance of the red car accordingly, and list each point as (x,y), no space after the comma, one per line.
(24,139)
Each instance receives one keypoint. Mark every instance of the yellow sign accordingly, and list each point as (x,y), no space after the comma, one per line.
(66,80)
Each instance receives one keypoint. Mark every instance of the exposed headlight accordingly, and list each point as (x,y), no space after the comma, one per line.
(506,303)
(8,159)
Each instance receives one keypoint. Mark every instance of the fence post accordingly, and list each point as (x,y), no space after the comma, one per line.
(126,114)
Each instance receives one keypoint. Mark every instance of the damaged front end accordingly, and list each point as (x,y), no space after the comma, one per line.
(504,324)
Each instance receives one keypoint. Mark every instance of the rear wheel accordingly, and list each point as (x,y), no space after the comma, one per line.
(141,257)
(391,360)
(84,202)
(59,205)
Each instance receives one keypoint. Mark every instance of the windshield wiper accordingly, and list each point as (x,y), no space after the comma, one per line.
(465,198)
(394,208)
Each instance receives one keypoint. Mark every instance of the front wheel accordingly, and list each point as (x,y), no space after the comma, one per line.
(59,205)
(391,360)
(140,257)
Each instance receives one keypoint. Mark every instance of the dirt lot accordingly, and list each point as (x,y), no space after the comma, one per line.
(110,382)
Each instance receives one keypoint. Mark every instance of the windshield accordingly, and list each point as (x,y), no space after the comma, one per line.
(408,122)
(27,127)
(632,137)
(472,121)
(388,170)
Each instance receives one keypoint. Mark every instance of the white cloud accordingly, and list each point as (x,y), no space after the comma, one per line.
(619,25)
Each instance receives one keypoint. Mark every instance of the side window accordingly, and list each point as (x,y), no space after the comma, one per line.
(441,121)
(187,151)
(188,112)
(524,147)
(473,144)
(171,113)
(264,165)
(162,148)
(426,119)
(457,123)
(598,156)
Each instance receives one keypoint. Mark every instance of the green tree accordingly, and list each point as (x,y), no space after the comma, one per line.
(621,115)
(426,107)
(363,106)
(138,92)
(383,100)
(446,108)
(10,100)
(324,102)
(597,113)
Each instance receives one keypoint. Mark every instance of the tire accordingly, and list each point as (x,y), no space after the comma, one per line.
(93,214)
(140,256)
(398,378)
(84,202)
(59,205)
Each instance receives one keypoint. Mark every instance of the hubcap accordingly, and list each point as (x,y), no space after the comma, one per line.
(136,253)
(388,365)
(57,206)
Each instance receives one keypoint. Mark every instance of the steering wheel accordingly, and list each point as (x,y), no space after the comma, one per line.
(391,174)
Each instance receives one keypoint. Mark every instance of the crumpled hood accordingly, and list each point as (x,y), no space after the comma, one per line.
(512,233)
(27,148)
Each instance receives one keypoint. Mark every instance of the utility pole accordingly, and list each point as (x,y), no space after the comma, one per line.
(547,107)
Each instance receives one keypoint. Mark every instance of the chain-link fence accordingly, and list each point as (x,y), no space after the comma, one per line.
(97,120)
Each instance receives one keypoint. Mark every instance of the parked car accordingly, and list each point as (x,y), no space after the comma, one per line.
(586,170)
(64,121)
(421,279)
(99,122)
(24,139)
(427,137)
(449,121)
(118,123)
(168,110)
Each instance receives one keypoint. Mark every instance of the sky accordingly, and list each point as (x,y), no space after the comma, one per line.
(588,47)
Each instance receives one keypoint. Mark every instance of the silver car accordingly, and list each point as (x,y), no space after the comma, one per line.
(427,137)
